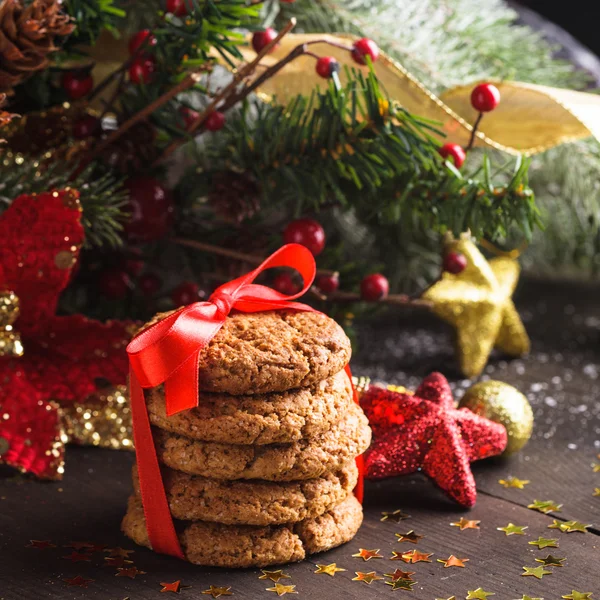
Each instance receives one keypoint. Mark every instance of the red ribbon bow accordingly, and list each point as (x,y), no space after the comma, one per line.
(168,353)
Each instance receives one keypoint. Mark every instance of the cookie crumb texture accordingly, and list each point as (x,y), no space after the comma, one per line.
(305,459)
(234,546)
(193,498)
(274,351)
(280,417)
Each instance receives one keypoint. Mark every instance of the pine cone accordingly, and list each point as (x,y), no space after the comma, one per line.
(133,151)
(27,38)
(234,196)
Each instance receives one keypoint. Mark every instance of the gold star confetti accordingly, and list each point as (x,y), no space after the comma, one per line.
(217,592)
(512,529)
(451,598)
(367,554)
(119,552)
(542,543)
(526,597)
(453,561)
(78,581)
(78,557)
(394,517)
(116,562)
(399,574)
(411,537)
(537,572)
(571,526)
(513,482)
(282,590)
(596,492)
(401,584)
(551,561)
(596,467)
(131,572)
(556,524)
(274,576)
(40,544)
(331,569)
(575,595)
(478,594)
(171,587)
(466,524)
(369,577)
(545,506)
(414,556)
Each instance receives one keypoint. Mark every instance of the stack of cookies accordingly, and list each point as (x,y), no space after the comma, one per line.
(262,471)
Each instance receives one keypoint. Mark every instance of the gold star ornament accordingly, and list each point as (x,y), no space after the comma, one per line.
(514,482)
(542,543)
(273,576)
(282,590)
(478,594)
(369,577)
(477,303)
(216,592)
(331,569)
(575,595)
(537,572)
(512,529)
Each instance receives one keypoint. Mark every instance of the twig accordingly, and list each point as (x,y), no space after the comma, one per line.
(474,132)
(394,299)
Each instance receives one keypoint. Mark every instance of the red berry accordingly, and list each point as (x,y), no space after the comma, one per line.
(85,127)
(374,287)
(260,39)
(189,116)
(149,284)
(186,293)
(327,66)
(134,266)
(285,284)
(114,283)
(307,232)
(328,284)
(363,48)
(141,69)
(215,121)
(454,151)
(76,84)
(178,7)
(485,97)
(141,38)
(454,263)
(150,209)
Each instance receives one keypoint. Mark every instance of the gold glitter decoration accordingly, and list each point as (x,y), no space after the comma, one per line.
(10,340)
(104,420)
(503,404)
(478,303)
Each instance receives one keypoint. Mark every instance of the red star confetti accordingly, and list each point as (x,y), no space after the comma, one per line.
(79,545)
(78,581)
(414,556)
(40,544)
(117,561)
(171,587)
(367,554)
(119,552)
(400,574)
(368,578)
(131,572)
(78,557)
(424,432)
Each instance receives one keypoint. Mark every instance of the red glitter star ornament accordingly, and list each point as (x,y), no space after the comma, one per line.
(425,432)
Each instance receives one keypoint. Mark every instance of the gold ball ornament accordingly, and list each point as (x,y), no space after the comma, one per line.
(503,404)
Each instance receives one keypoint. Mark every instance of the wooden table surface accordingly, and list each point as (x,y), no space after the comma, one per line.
(561,379)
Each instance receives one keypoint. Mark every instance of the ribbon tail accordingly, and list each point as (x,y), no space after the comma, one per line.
(181,388)
(159,522)
(359,489)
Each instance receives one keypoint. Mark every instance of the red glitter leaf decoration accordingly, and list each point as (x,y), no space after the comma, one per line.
(425,432)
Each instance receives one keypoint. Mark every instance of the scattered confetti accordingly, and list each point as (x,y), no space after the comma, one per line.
(545,506)
(367,554)
(551,561)
(512,529)
(369,577)
(131,572)
(411,537)
(116,562)
(401,584)
(453,561)
(596,467)
(414,556)
(274,576)
(400,574)
(40,544)
(79,545)
(78,557)
(466,524)
(596,492)
(537,572)
(575,595)
(217,592)
(331,569)
(526,597)
(478,594)
(119,552)
(78,581)
(281,589)
(542,543)
(451,598)
(171,587)
(96,547)
(556,524)
(514,482)
(571,526)
(394,517)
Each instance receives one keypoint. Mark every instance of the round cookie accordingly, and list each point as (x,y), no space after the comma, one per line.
(194,498)
(305,459)
(235,546)
(279,417)
(272,351)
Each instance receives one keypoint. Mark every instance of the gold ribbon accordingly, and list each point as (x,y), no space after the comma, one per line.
(529,119)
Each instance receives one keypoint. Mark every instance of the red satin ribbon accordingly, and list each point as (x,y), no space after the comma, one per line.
(168,353)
